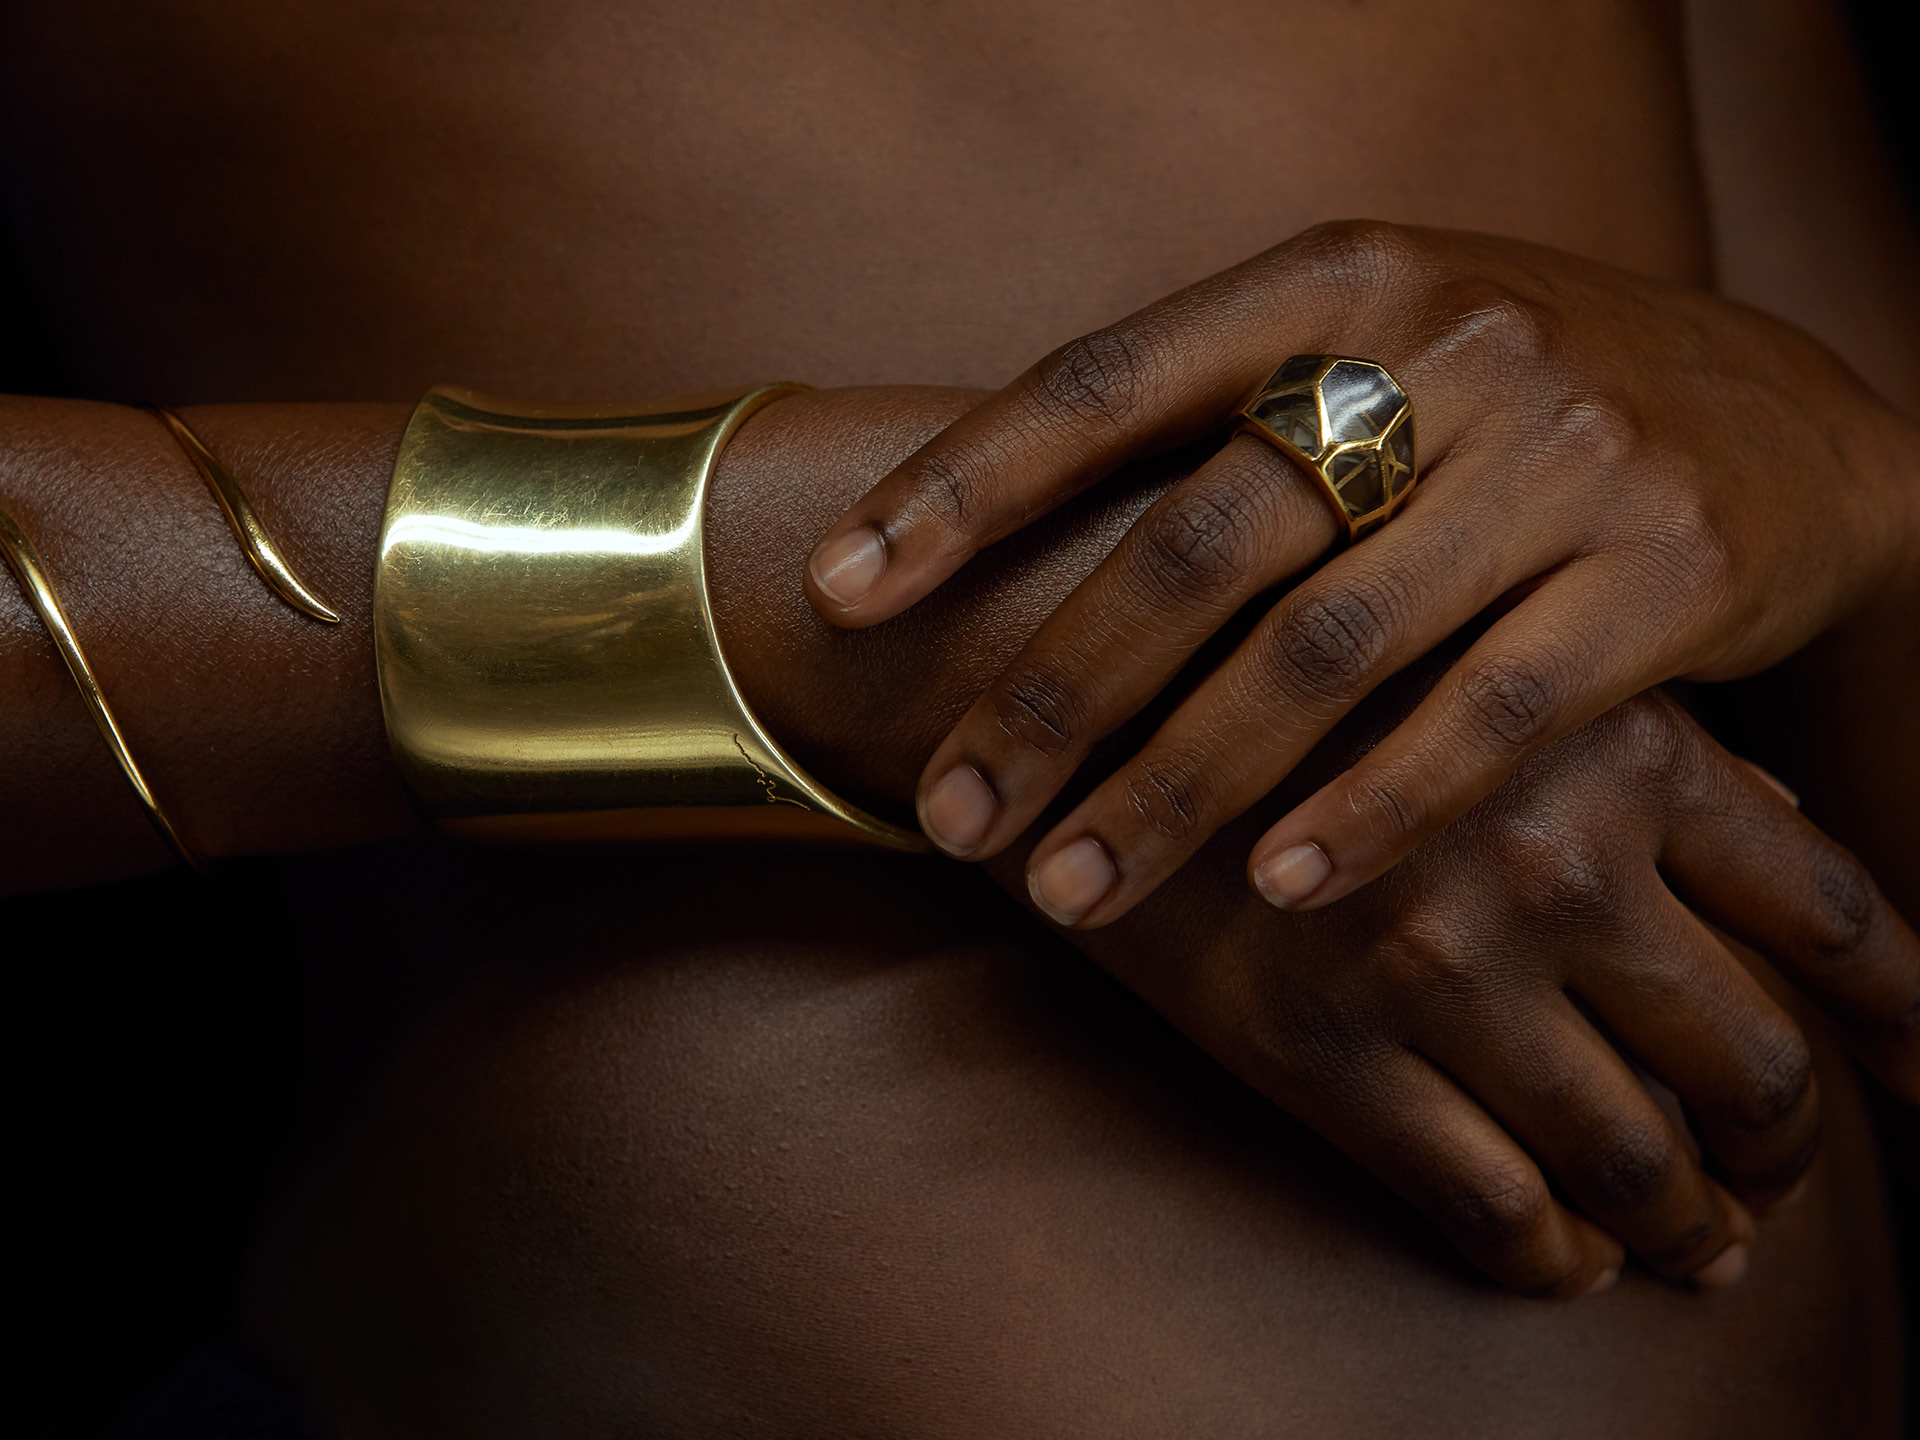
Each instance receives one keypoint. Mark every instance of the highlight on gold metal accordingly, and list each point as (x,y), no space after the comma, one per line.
(549,663)
(26,565)
(245,524)
(1350,425)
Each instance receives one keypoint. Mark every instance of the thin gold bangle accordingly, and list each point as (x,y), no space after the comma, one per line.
(246,526)
(24,561)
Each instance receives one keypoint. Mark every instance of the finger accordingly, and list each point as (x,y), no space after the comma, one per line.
(1413,1128)
(1565,1095)
(1245,520)
(1543,670)
(1739,853)
(1319,652)
(1160,378)
(1699,1022)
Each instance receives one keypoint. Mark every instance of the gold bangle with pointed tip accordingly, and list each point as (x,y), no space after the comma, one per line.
(24,560)
(252,536)
(21,557)
(1349,424)
(549,664)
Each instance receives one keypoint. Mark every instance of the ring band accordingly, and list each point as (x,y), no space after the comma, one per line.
(1349,424)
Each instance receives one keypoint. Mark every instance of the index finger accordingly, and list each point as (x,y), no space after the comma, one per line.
(1160,378)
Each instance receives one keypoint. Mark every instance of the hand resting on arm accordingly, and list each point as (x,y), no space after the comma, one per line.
(261,731)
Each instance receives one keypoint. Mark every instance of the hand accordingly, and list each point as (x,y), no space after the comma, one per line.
(1650,481)
(1425,1026)
(1462,1029)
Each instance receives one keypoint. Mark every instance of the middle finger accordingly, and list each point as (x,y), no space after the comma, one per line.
(1244,521)
(1326,646)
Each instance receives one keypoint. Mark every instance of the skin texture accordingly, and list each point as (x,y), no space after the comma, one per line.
(1455,1069)
(1623,468)
(1643,806)
(277,208)
(259,728)
(714,1179)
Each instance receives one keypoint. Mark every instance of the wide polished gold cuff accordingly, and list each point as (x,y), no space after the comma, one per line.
(548,659)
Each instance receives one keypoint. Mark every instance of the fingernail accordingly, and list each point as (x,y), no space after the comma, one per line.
(1293,875)
(1073,881)
(957,810)
(847,567)
(1605,1280)
(1724,1269)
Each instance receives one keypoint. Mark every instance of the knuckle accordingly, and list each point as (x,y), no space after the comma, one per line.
(1387,802)
(1600,432)
(951,484)
(1365,257)
(1169,794)
(1479,314)
(1509,704)
(1193,544)
(1102,378)
(1557,872)
(1844,910)
(1039,711)
(1302,1041)
(1652,742)
(1500,1212)
(1778,1080)
(1440,953)
(1328,644)
(1681,546)
(1634,1166)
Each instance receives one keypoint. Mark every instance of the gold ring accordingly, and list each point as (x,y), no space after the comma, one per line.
(1350,424)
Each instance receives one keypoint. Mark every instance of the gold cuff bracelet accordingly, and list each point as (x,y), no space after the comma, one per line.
(548,659)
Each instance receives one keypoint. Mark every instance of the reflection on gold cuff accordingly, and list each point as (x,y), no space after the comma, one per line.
(549,663)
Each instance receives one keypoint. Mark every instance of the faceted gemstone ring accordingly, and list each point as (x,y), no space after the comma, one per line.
(1349,424)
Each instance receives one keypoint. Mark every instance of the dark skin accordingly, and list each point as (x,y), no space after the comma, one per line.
(1583,866)
(295,282)
(1626,469)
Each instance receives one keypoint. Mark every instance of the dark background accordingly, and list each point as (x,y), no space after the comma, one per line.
(159,1031)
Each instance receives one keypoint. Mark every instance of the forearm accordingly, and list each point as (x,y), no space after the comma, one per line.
(260,729)
(257,727)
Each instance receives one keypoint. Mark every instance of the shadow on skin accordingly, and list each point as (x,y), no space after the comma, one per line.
(784,1143)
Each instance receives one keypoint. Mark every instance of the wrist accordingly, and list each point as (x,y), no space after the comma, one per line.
(864,709)
(831,697)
